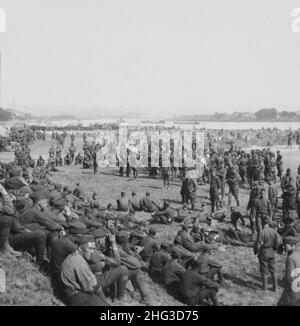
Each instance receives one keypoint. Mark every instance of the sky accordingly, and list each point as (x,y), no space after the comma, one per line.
(152,56)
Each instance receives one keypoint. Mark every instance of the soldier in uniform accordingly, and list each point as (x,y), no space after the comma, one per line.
(72,151)
(40,161)
(289,194)
(221,174)
(279,164)
(233,179)
(272,195)
(188,191)
(262,209)
(215,185)
(243,163)
(267,242)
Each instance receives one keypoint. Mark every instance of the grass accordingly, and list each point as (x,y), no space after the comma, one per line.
(26,286)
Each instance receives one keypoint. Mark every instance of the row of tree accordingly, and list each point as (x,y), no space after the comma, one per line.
(5,115)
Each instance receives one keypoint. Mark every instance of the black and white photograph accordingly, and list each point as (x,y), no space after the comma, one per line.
(149,155)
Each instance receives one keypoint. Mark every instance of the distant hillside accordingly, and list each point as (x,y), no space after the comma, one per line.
(55,117)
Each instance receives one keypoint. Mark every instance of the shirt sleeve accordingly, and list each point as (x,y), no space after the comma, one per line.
(6,206)
(86,278)
(204,281)
(43,220)
(290,266)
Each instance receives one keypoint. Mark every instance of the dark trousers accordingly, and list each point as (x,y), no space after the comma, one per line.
(186,198)
(202,294)
(214,199)
(5,225)
(137,280)
(233,191)
(27,241)
(135,172)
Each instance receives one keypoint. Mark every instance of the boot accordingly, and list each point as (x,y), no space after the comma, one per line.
(8,250)
(274,280)
(122,287)
(215,300)
(265,283)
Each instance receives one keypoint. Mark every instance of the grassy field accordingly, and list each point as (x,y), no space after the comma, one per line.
(26,286)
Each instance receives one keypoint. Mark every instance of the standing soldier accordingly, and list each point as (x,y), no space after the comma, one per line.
(243,164)
(72,151)
(272,195)
(72,138)
(233,180)
(221,174)
(215,185)
(290,137)
(289,194)
(250,207)
(189,189)
(262,209)
(267,242)
(95,163)
(279,165)
(291,292)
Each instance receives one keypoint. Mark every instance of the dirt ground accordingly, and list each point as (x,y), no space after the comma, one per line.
(26,286)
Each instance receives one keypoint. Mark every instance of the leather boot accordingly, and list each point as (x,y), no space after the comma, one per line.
(215,300)
(274,280)
(122,287)
(7,249)
(265,283)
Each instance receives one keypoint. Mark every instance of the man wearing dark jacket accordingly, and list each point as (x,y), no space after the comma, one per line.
(268,241)
(196,287)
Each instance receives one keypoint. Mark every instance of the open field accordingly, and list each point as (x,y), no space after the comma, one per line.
(26,286)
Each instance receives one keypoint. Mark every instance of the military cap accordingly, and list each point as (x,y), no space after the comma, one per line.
(290,240)
(39,195)
(76,227)
(99,233)
(21,204)
(25,190)
(152,231)
(123,235)
(165,245)
(85,238)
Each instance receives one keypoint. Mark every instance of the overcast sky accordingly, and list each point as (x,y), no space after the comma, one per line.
(173,56)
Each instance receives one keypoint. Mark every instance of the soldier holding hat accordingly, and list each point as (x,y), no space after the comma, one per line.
(196,287)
